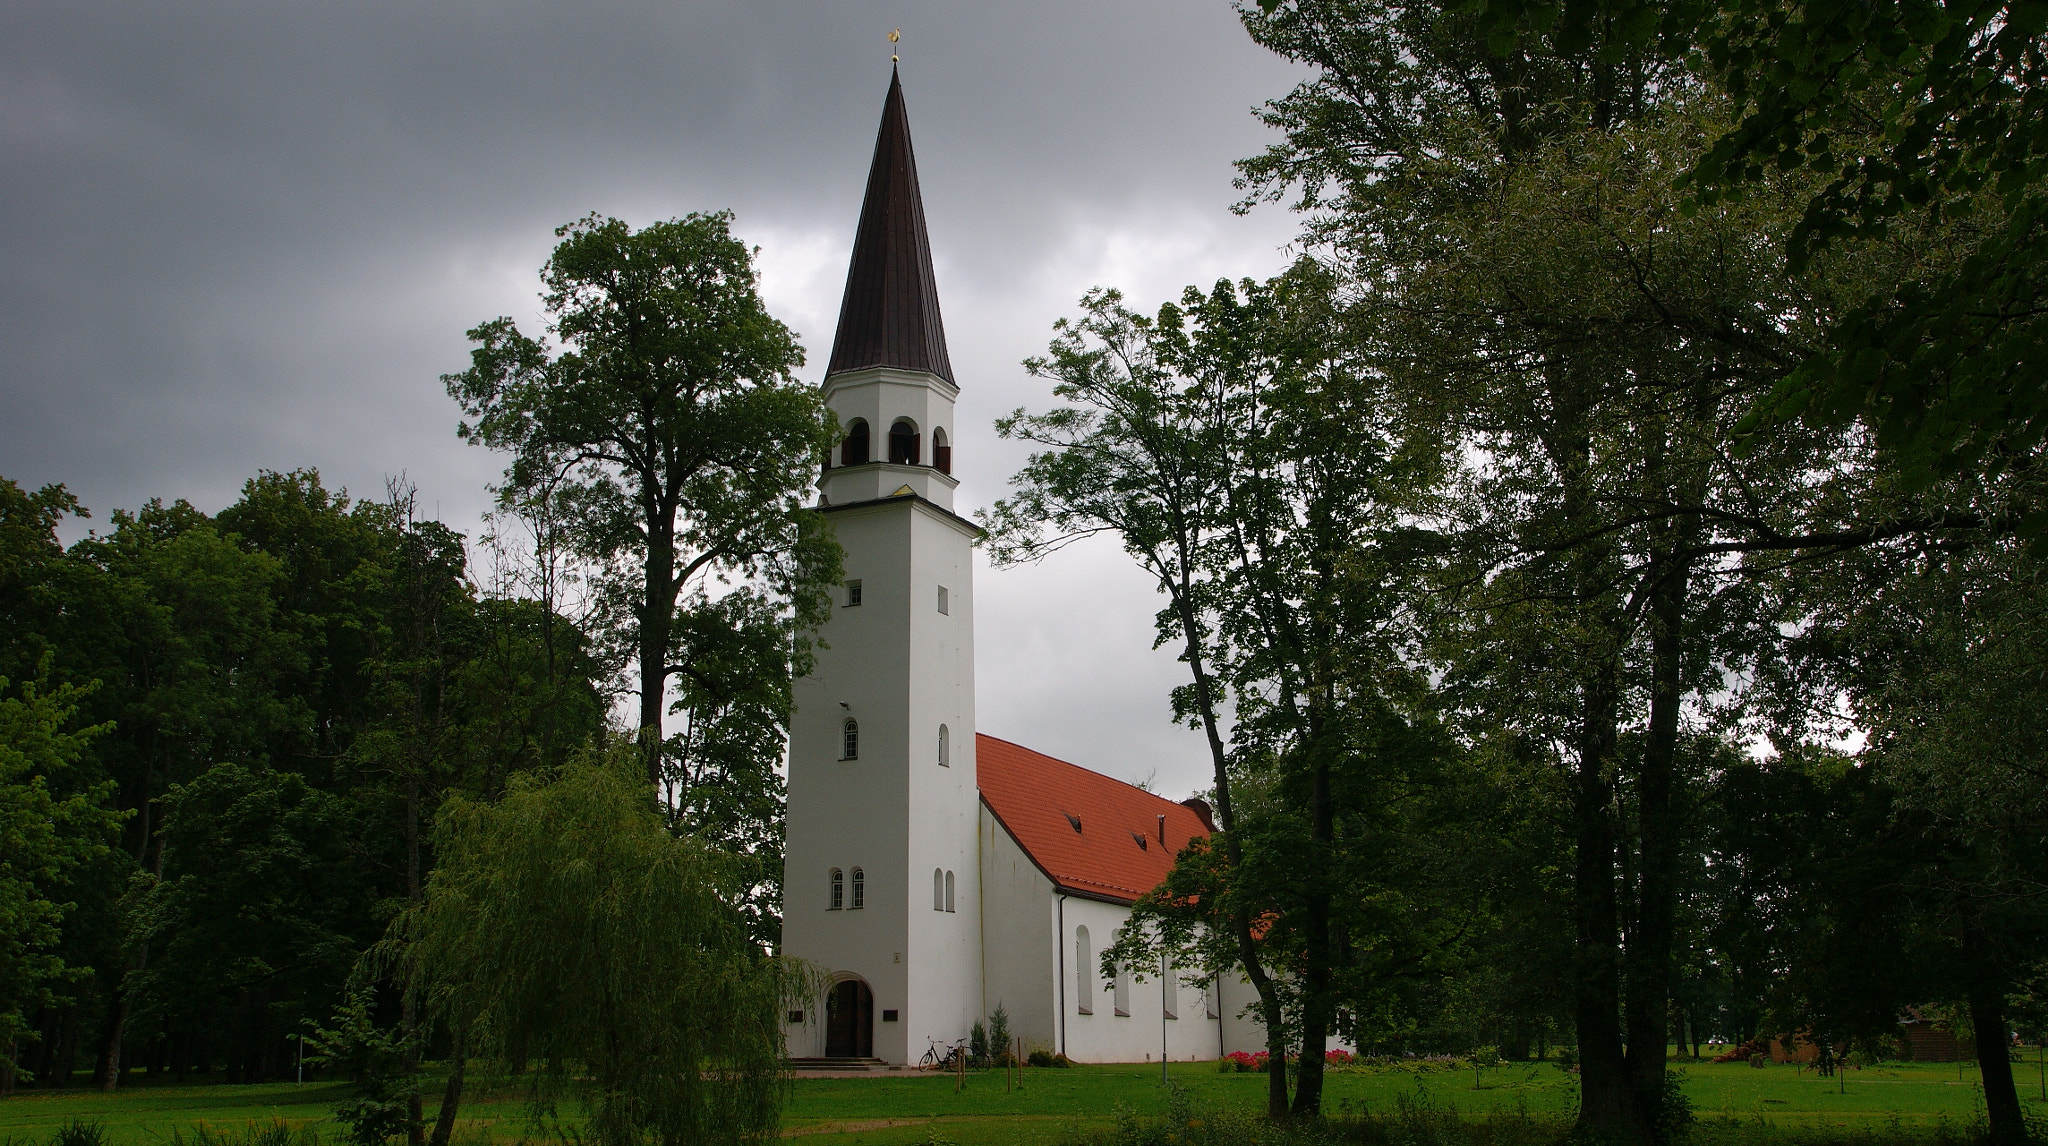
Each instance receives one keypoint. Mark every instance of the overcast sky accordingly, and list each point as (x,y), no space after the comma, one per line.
(249,236)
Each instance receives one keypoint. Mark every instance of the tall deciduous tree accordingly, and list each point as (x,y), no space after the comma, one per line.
(1258,479)
(1505,214)
(667,414)
(1137,458)
(53,821)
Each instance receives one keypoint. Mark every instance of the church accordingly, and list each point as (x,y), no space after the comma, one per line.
(935,873)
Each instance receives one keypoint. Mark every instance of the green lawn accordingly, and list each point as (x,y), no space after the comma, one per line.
(842,1112)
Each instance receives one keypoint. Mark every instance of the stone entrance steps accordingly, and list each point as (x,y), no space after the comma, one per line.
(841,1064)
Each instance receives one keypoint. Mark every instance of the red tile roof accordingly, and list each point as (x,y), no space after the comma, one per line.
(1040,800)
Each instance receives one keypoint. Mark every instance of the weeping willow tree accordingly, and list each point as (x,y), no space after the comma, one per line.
(567,930)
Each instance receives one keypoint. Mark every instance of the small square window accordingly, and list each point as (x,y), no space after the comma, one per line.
(796,1016)
(852,593)
(943,608)
(888,1016)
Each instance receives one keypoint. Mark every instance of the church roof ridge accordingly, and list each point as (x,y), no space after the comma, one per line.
(1039,798)
(889,315)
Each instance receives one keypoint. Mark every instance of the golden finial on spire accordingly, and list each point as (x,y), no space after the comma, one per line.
(894,35)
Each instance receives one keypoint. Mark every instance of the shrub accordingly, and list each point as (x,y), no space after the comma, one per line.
(999,1035)
(1040,1057)
(977,1045)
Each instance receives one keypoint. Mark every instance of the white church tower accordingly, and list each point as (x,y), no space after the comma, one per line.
(880,872)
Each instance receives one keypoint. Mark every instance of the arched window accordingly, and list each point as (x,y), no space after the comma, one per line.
(853,449)
(1122,1000)
(1084,979)
(903,443)
(838,890)
(942,451)
(850,750)
(938,890)
(860,889)
(949,891)
(945,761)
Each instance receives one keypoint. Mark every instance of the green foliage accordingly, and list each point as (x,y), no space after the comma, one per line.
(54,822)
(999,1037)
(566,928)
(667,428)
(977,1044)
(262,889)
(378,1062)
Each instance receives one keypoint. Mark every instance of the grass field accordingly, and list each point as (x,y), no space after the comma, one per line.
(891,1110)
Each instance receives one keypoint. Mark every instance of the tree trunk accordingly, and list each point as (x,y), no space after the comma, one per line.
(1604,1106)
(657,604)
(451,1094)
(65,1056)
(108,1074)
(1649,943)
(408,1004)
(1994,1050)
(7,1067)
(1315,984)
(1226,819)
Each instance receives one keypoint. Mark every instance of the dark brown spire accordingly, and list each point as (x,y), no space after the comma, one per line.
(890,315)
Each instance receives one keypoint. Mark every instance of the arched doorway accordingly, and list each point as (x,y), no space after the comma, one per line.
(849,1020)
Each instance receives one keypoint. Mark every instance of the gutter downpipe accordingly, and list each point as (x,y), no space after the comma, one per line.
(1060,945)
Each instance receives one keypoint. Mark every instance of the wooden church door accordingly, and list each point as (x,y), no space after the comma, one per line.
(850,1020)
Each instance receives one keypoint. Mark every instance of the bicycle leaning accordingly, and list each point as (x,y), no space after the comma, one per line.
(939,1056)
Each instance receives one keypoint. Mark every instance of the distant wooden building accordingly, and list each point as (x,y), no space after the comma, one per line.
(1931,1040)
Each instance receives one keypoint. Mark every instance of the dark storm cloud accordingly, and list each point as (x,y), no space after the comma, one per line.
(250,236)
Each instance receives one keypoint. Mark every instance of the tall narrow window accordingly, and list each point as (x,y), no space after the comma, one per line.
(938,890)
(1169,991)
(949,891)
(850,750)
(945,760)
(852,593)
(854,450)
(1123,977)
(838,890)
(903,441)
(860,889)
(1084,979)
(944,605)
(942,451)
(1211,1005)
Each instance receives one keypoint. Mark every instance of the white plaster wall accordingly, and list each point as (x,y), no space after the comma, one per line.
(854,813)
(1242,1030)
(1020,934)
(944,948)
(900,668)
(1107,1037)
